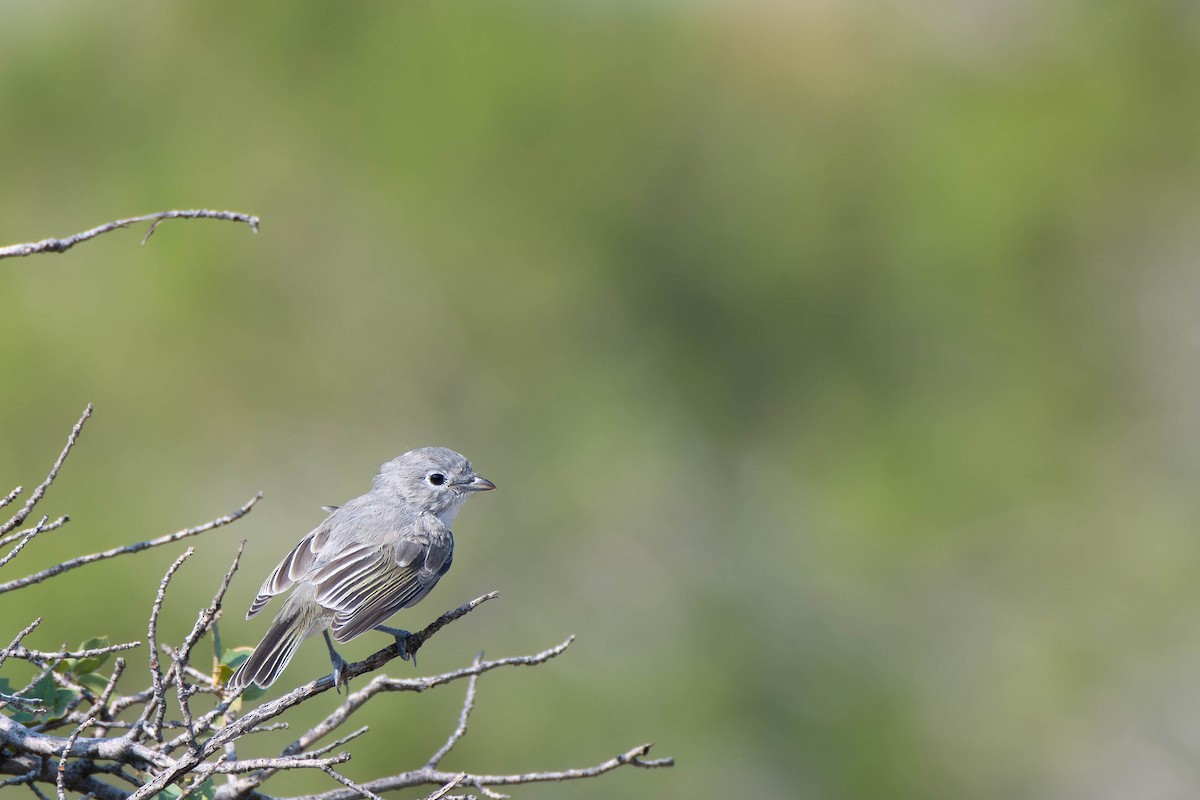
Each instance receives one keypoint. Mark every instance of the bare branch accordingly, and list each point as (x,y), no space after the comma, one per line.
(21,703)
(460,731)
(158,699)
(17,780)
(204,623)
(62,761)
(136,547)
(8,498)
(442,792)
(359,791)
(24,653)
(382,683)
(102,700)
(63,245)
(205,681)
(6,652)
(122,749)
(251,764)
(27,535)
(208,616)
(356,700)
(414,641)
(77,778)
(49,668)
(339,742)
(424,776)
(40,491)
(262,713)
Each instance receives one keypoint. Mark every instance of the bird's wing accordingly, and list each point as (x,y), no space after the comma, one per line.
(365,587)
(292,568)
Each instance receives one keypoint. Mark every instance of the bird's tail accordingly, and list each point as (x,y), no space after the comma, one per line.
(293,625)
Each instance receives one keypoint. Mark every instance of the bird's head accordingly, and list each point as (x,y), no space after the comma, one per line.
(434,480)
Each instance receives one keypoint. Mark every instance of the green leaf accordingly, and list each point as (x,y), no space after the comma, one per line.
(234,656)
(97,683)
(82,666)
(55,700)
(230,660)
(253,692)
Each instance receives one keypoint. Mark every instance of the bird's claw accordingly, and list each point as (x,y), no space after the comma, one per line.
(339,664)
(402,637)
(339,677)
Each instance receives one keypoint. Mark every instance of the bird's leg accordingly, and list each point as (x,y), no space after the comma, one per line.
(339,664)
(401,641)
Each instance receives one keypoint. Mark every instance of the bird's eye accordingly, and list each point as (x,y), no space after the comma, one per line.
(436,478)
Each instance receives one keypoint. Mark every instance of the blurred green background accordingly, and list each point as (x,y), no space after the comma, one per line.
(837,364)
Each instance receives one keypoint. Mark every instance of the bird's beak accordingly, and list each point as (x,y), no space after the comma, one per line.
(479,484)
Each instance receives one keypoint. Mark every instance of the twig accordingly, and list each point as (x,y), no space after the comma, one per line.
(360,791)
(16,699)
(17,780)
(8,498)
(40,491)
(382,683)
(633,758)
(121,749)
(158,700)
(415,640)
(62,761)
(339,742)
(203,624)
(463,715)
(486,792)
(63,245)
(250,764)
(136,547)
(188,761)
(442,792)
(26,536)
(208,616)
(46,670)
(21,703)
(6,652)
(355,700)
(100,707)
(26,654)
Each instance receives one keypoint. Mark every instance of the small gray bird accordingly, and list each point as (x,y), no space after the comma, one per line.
(371,557)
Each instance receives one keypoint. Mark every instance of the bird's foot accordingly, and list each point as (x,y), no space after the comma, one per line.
(402,637)
(339,665)
(339,677)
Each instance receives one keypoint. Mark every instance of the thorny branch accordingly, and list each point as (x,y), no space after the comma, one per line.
(53,245)
(133,752)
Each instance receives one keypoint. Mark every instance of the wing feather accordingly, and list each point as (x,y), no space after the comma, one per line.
(294,566)
(346,568)
(391,588)
(349,593)
(364,583)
